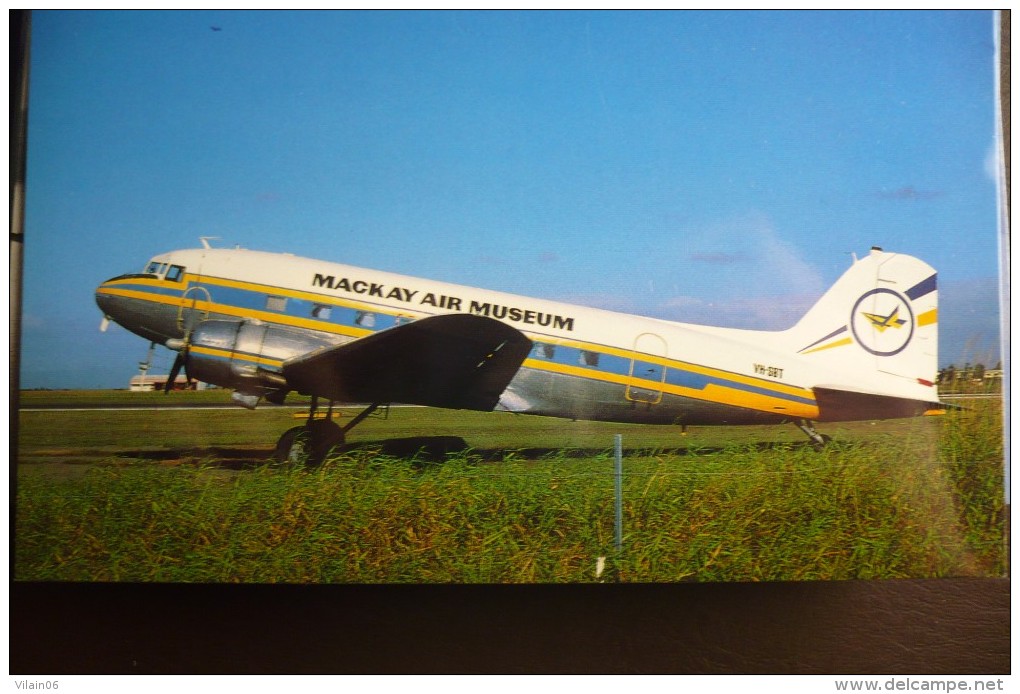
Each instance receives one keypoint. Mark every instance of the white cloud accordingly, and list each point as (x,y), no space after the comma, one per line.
(753,313)
(748,276)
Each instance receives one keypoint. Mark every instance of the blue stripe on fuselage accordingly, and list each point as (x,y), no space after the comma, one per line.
(340,314)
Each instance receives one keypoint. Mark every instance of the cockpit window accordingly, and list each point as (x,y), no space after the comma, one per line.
(166,271)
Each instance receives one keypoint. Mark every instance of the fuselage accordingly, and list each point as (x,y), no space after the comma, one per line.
(585,363)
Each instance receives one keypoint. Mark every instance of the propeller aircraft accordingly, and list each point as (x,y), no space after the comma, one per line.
(269,324)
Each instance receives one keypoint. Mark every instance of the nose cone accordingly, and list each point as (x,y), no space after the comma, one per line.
(102,301)
(133,303)
(106,300)
(122,301)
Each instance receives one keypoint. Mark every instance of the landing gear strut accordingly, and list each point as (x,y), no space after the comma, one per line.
(817,440)
(311,442)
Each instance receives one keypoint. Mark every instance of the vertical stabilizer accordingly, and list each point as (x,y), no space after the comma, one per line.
(876,329)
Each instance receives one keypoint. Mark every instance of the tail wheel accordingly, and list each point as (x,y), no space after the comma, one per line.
(308,444)
(820,445)
(818,441)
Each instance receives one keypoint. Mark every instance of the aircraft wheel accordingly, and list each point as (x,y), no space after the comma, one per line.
(820,445)
(309,444)
(325,435)
(293,447)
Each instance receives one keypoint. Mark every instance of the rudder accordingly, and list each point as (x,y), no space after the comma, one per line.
(877,327)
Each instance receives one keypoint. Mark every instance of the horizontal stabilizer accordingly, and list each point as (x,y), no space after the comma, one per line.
(836,405)
(456,361)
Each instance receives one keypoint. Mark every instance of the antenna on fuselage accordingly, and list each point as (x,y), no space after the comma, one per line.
(206,239)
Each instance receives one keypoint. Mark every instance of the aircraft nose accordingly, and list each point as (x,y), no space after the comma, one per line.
(110,301)
(128,301)
(103,299)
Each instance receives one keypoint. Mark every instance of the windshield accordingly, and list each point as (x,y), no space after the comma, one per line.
(171,273)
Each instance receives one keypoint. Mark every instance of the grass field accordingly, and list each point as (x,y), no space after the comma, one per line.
(440,496)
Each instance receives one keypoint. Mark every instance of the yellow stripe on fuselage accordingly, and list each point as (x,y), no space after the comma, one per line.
(226,309)
(756,401)
(720,394)
(228,354)
(683,366)
(713,392)
(295,294)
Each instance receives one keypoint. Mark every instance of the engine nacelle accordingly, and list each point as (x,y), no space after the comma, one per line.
(246,355)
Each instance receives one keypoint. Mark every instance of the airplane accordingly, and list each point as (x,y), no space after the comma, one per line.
(269,324)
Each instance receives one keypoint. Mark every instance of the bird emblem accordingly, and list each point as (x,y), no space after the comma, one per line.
(880,323)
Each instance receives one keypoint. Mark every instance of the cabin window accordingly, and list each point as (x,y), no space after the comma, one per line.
(276,303)
(589,358)
(544,350)
(365,319)
(322,311)
(152,269)
(175,273)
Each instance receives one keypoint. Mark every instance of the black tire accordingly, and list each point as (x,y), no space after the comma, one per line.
(821,445)
(308,444)
(293,447)
(325,436)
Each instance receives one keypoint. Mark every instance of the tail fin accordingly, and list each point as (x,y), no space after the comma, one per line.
(876,329)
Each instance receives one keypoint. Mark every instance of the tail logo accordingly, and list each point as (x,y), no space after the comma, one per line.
(882,322)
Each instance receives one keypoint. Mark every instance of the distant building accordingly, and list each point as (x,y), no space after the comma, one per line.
(150,382)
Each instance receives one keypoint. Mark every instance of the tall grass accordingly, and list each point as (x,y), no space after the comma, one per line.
(924,501)
(972,448)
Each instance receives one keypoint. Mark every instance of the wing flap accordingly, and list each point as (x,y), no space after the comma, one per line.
(455,361)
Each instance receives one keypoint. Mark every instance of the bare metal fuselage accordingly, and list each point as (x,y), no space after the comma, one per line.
(243,316)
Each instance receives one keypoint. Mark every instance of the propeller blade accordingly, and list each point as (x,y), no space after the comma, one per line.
(187,371)
(174,370)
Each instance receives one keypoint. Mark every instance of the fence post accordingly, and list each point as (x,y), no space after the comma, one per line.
(619,497)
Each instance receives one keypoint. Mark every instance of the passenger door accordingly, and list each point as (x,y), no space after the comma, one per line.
(646,377)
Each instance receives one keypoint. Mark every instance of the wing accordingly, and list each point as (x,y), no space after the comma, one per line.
(455,361)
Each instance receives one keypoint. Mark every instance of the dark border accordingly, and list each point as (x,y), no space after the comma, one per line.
(909,626)
(855,627)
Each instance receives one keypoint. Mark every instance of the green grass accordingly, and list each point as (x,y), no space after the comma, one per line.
(100,398)
(531,501)
(972,448)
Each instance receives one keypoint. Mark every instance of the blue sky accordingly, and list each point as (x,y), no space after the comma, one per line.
(711,167)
